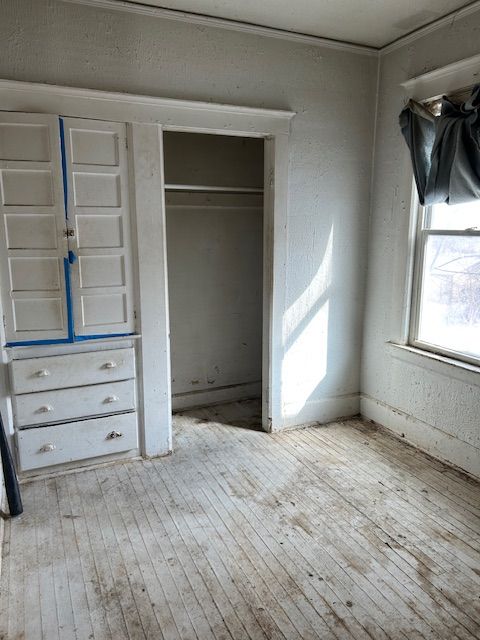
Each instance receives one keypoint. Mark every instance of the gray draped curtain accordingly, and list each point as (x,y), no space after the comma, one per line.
(445,149)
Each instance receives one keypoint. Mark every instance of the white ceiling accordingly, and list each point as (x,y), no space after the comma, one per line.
(369,22)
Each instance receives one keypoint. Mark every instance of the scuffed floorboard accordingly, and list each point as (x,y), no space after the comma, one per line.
(328,532)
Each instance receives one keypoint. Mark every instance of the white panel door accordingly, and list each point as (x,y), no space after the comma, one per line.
(99,216)
(32,228)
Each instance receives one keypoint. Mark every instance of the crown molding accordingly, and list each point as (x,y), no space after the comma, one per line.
(232,25)
(281,34)
(449,19)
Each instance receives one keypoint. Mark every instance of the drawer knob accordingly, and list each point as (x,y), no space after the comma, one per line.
(114,434)
(47,447)
(46,408)
(110,365)
(42,373)
(111,399)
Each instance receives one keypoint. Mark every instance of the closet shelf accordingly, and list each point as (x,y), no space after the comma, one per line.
(211,188)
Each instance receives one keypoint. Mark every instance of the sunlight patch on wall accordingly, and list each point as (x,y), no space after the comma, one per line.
(305,337)
(309,299)
(305,363)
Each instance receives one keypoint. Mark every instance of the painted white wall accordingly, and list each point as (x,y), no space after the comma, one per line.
(215,254)
(333,95)
(215,299)
(434,404)
(212,160)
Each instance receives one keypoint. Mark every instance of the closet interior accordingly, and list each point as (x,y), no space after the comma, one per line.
(214,220)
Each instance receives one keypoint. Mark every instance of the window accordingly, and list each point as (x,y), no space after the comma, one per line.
(446,295)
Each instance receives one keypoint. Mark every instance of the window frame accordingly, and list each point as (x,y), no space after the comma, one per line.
(422,233)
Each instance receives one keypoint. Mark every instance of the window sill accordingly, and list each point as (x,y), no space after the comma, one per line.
(463,371)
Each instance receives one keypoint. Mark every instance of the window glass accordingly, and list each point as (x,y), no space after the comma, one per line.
(449,311)
(460,217)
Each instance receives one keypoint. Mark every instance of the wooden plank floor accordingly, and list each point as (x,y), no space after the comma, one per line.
(330,532)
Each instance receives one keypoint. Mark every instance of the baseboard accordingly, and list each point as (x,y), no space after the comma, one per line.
(422,435)
(207,397)
(322,411)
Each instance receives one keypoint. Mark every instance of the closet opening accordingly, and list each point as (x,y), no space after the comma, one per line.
(215,238)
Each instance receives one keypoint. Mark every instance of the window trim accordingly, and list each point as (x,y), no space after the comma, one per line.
(428,86)
(422,232)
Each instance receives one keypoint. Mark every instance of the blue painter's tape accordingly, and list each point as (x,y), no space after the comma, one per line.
(68,293)
(64,166)
(71,257)
(33,343)
(101,336)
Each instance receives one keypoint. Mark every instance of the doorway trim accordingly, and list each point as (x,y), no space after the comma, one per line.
(147,117)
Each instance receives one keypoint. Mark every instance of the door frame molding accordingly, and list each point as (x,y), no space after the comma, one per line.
(146,118)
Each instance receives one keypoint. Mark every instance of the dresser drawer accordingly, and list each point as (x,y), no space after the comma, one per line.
(68,404)
(72,370)
(46,446)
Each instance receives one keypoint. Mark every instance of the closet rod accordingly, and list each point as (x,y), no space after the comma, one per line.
(211,189)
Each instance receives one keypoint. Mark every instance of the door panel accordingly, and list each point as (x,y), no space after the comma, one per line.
(32,228)
(98,213)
